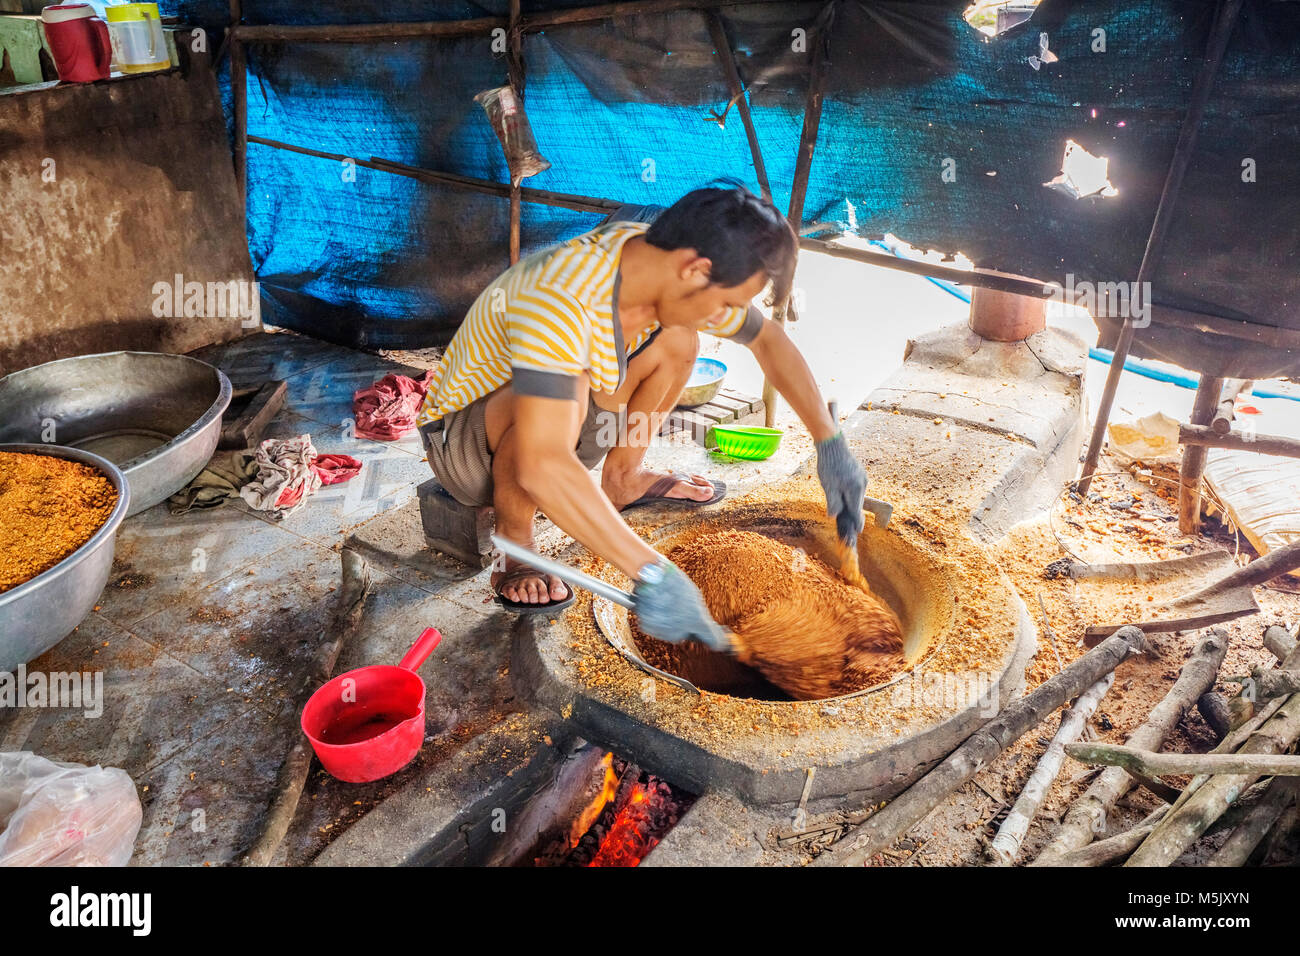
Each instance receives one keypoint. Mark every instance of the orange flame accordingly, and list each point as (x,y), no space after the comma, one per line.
(593,810)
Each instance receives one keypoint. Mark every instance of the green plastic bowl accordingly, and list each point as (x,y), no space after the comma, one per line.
(749,442)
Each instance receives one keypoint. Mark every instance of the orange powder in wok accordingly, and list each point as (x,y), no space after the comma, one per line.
(797,622)
(49,507)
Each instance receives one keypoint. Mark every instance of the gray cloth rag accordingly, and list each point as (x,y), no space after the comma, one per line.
(225,474)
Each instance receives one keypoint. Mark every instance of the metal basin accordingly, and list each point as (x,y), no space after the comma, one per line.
(39,613)
(156,416)
(701,388)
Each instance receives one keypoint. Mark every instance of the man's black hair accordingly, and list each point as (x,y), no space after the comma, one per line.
(738,232)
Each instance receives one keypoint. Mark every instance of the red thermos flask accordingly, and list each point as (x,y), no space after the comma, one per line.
(79,41)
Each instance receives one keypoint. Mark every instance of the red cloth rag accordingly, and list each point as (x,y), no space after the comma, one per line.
(386,410)
(332,469)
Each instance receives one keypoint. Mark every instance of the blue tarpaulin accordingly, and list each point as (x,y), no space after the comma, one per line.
(930,130)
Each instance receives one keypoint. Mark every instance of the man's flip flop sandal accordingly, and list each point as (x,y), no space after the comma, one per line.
(658,492)
(517,576)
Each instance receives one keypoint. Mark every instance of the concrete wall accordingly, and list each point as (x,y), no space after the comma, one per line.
(106,190)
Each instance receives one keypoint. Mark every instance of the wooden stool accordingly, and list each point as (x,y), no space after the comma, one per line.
(455,529)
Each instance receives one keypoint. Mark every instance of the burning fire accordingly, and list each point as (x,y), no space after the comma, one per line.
(630,837)
(630,814)
(592,813)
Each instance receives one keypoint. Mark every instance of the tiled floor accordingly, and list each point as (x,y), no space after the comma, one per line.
(209,616)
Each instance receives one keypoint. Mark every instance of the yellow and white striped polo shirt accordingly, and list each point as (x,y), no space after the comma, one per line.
(546,320)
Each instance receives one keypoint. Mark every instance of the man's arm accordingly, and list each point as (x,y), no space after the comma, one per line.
(668,604)
(546,433)
(841,475)
(786,369)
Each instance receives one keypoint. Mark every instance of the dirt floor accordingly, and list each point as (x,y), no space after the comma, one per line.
(1094,530)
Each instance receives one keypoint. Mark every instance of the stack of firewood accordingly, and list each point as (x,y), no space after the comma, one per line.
(1248,784)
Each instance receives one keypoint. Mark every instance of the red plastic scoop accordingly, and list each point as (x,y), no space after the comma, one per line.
(369,722)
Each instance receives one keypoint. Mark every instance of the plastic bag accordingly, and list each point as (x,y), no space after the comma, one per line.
(1152,440)
(65,814)
(507,116)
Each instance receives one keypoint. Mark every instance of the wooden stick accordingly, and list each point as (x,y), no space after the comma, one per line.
(1286,823)
(885,826)
(1151,764)
(1087,816)
(1216,45)
(1227,410)
(1268,683)
(1278,642)
(1192,468)
(1259,571)
(294,771)
(1239,846)
(1006,845)
(1214,708)
(515,61)
(886,260)
(533,23)
(1107,851)
(1198,436)
(812,117)
(1113,849)
(239,97)
(580,203)
(718,33)
(1190,818)
(528,194)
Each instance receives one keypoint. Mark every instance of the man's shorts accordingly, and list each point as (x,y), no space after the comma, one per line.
(459,456)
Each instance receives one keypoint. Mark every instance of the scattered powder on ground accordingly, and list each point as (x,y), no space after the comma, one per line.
(806,630)
(49,507)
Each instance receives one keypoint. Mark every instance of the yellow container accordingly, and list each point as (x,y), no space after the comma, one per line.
(135,30)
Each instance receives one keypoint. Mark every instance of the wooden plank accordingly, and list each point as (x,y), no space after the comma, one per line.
(246,429)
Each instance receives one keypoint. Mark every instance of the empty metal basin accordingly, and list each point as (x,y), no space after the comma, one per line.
(156,416)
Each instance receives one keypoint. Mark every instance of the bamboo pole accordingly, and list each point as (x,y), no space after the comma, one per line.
(1200,436)
(1220,32)
(1192,468)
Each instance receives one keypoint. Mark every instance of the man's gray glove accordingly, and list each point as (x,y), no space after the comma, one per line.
(670,607)
(845,483)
